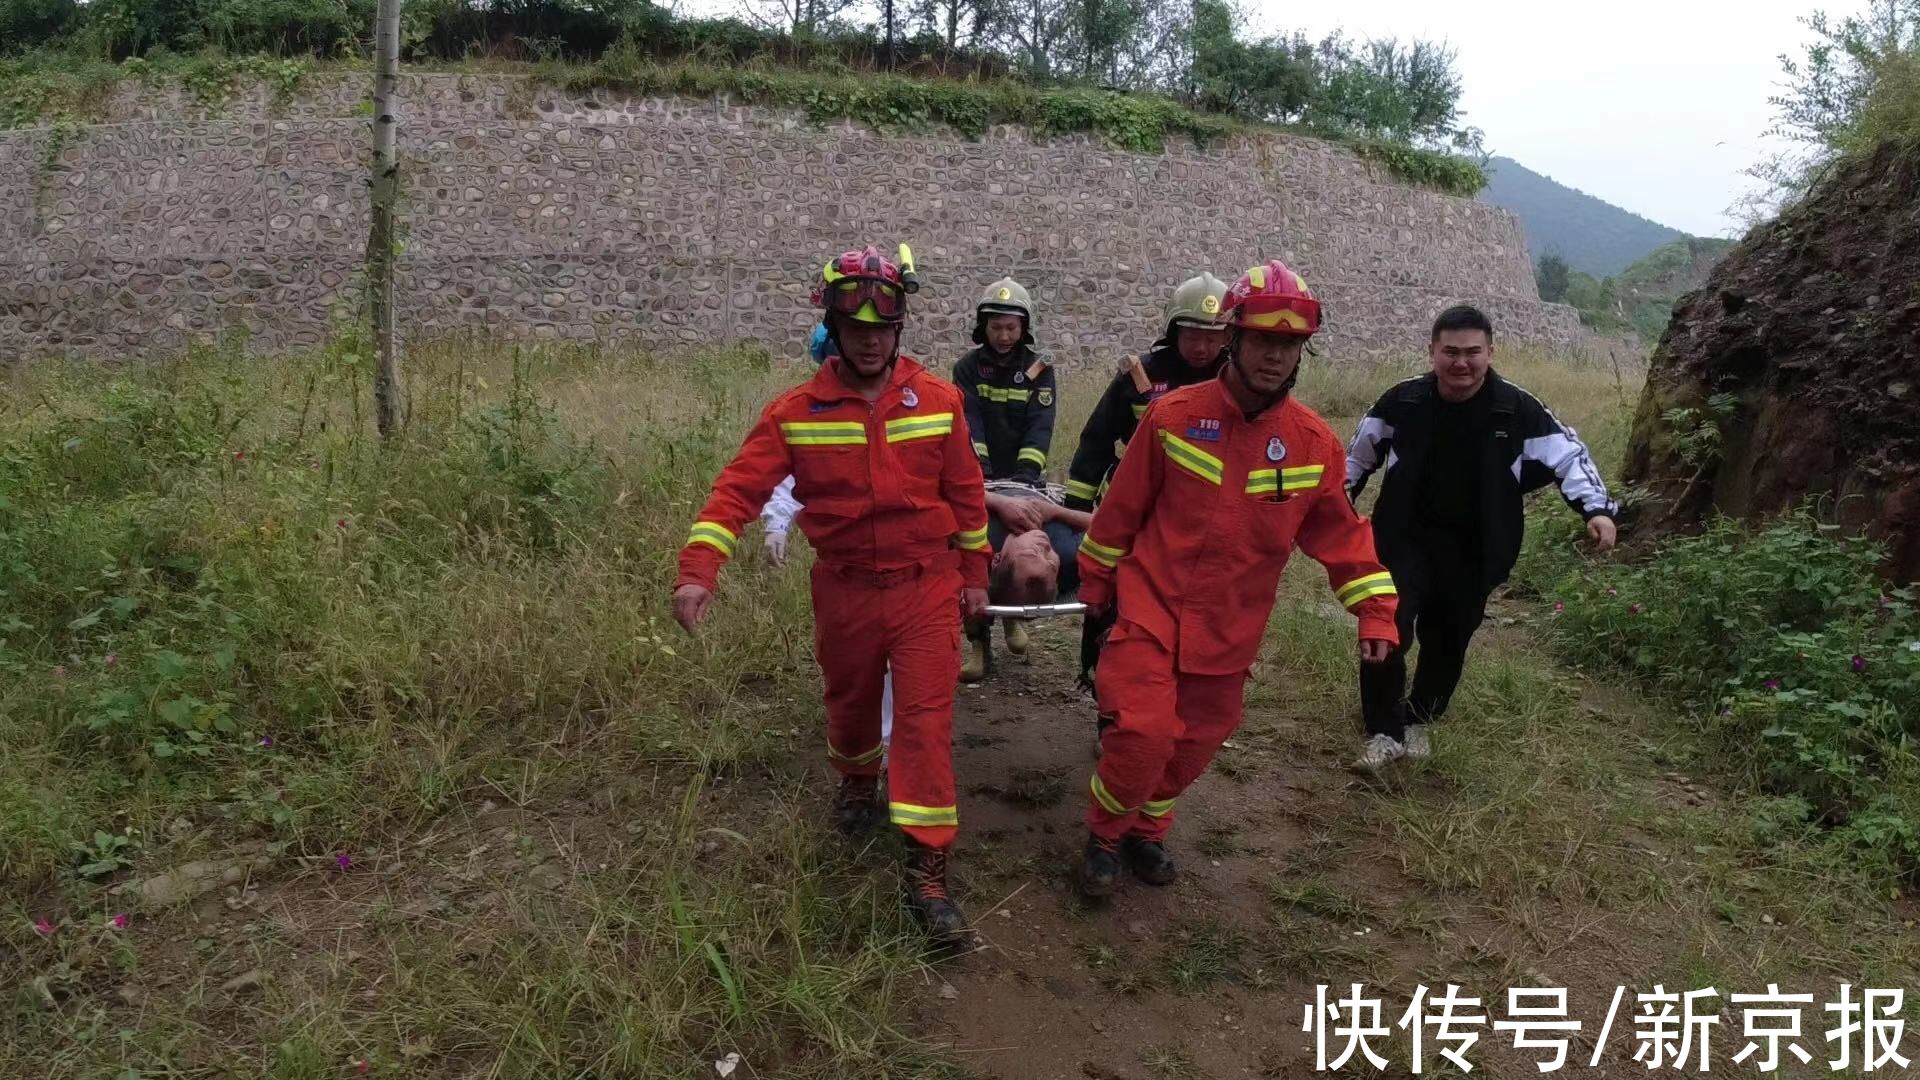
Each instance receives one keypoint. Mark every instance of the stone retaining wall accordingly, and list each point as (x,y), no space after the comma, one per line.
(532,212)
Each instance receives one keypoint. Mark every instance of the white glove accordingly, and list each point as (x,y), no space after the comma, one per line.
(777,548)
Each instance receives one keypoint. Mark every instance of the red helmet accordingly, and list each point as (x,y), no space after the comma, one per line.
(1274,299)
(865,286)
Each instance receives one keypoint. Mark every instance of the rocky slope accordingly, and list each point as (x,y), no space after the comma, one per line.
(1803,351)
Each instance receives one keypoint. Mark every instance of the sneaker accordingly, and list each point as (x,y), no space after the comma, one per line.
(1149,860)
(1379,752)
(856,806)
(1418,743)
(1099,871)
(927,894)
(1016,630)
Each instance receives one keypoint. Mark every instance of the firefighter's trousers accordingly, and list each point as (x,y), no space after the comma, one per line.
(1167,726)
(906,621)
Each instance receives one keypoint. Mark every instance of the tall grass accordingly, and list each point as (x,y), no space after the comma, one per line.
(579,843)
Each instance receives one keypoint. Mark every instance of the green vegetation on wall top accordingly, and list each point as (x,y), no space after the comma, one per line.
(1136,73)
(31,92)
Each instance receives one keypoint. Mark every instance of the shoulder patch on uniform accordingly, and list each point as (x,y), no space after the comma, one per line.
(1045,397)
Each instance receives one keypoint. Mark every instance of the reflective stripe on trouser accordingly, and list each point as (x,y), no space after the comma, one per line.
(860,631)
(1167,726)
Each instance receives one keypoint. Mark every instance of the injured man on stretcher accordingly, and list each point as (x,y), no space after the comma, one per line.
(1035,539)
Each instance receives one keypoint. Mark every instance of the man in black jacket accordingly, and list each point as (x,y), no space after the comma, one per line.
(1009,388)
(1462,447)
(1190,351)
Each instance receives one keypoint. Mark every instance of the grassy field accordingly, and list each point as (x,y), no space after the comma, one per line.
(320,758)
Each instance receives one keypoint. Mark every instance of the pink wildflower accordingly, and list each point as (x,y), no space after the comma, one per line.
(44,928)
(118,922)
(343,860)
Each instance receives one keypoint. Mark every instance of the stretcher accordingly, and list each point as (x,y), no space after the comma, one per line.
(1034,611)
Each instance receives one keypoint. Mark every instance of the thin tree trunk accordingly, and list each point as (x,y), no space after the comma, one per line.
(381,238)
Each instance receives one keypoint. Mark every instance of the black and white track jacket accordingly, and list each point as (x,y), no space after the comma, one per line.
(1527,449)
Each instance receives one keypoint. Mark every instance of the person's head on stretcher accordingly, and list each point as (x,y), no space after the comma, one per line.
(1025,571)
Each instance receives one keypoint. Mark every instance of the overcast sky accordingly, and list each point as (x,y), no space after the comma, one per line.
(1654,105)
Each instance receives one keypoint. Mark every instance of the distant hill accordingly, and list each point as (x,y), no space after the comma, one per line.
(1649,288)
(1594,236)
(1641,297)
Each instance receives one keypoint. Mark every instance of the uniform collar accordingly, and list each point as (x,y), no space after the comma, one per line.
(1232,407)
(1165,364)
(1014,359)
(826,385)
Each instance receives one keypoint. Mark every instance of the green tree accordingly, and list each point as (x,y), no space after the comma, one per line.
(1550,277)
(1858,83)
(29,24)
(1385,89)
(1270,80)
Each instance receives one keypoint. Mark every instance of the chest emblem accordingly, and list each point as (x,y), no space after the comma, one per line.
(1205,429)
(1276,450)
(822,406)
(912,400)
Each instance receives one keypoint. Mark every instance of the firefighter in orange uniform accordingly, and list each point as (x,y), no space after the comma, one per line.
(896,512)
(1219,484)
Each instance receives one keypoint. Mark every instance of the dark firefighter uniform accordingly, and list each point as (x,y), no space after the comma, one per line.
(1009,398)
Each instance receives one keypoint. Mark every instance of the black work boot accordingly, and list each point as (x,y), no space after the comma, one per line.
(1149,860)
(927,893)
(856,805)
(1099,872)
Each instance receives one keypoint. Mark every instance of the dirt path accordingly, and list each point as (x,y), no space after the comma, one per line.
(1155,980)
(1291,877)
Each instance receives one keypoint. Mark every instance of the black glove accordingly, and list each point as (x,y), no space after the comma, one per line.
(1093,637)
(1030,476)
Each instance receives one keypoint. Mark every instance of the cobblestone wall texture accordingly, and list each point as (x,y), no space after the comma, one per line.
(537,213)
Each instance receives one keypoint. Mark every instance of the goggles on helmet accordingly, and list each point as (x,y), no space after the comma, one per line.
(866,299)
(1279,314)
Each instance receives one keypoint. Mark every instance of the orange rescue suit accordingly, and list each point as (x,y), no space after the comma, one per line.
(896,511)
(1189,544)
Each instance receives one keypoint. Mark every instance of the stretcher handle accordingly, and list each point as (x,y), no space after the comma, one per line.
(1034,611)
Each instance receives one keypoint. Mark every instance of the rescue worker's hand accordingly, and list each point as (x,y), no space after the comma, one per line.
(973,604)
(1123,365)
(1602,532)
(1021,515)
(1375,650)
(1099,612)
(777,548)
(690,604)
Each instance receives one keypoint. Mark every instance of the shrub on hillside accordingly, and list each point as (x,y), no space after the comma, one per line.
(1805,664)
